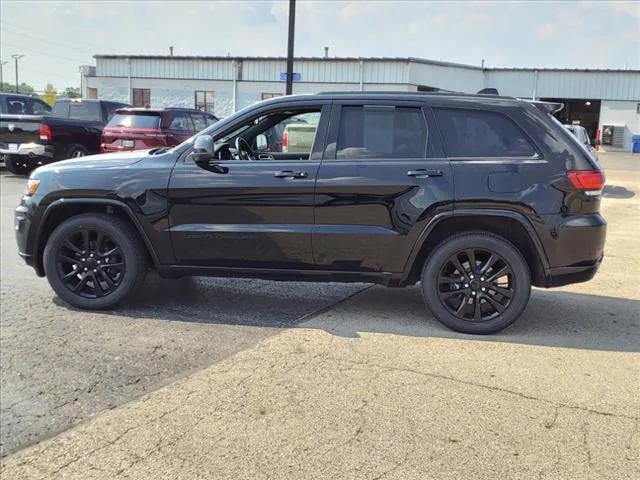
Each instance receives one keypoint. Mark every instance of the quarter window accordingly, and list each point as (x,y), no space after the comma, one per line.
(477,133)
(381,132)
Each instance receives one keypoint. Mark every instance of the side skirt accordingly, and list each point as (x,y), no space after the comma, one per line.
(380,278)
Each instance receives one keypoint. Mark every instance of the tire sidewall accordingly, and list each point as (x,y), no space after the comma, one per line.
(61,233)
(76,148)
(14,165)
(522,281)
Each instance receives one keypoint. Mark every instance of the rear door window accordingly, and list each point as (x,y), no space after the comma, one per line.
(128,120)
(39,107)
(381,132)
(180,121)
(199,122)
(85,111)
(478,133)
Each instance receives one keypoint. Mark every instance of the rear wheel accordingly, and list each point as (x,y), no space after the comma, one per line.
(476,283)
(17,165)
(94,261)
(76,151)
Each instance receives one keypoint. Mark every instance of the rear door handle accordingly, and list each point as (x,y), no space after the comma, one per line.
(290,174)
(421,172)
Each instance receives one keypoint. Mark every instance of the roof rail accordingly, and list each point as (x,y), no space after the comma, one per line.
(546,107)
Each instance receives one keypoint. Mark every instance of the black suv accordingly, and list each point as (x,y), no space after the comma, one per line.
(477,197)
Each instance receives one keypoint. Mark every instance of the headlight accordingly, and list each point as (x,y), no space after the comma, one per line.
(32,187)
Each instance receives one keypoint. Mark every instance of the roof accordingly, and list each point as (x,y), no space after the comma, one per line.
(356,59)
(158,109)
(389,95)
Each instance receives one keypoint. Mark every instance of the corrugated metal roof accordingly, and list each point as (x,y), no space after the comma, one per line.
(357,59)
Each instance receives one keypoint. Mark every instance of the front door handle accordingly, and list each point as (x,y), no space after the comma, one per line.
(424,173)
(290,174)
(265,156)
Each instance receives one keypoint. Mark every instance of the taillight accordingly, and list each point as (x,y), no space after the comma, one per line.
(45,133)
(590,181)
(285,140)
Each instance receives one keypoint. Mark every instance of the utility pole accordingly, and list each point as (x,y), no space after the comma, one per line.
(2,64)
(292,26)
(17,57)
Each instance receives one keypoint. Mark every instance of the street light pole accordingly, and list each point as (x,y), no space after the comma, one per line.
(292,25)
(17,57)
(2,64)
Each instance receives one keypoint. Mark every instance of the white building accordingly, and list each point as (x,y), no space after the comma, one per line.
(222,85)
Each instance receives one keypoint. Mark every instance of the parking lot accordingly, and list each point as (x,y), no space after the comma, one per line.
(219,378)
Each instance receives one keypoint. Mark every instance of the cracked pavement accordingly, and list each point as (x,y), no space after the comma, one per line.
(375,388)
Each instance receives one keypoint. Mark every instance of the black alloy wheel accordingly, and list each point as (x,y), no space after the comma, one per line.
(95,260)
(476,282)
(90,263)
(476,285)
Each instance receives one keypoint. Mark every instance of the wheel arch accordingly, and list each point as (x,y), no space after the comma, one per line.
(62,209)
(512,226)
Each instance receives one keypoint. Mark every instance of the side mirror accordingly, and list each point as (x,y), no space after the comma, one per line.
(203,147)
(204,155)
(261,143)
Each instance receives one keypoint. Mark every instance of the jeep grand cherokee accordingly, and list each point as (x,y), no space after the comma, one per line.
(476,197)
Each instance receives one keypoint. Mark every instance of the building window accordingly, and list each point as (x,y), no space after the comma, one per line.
(266,96)
(141,97)
(205,100)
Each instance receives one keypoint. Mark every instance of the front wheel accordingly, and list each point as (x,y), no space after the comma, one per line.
(94,261)
(476,283)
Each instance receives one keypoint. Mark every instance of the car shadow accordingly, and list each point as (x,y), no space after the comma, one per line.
(616,191)
(553,318)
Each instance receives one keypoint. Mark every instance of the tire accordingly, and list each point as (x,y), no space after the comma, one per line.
(466,301)
(66,268)
(17,165)
(76,151)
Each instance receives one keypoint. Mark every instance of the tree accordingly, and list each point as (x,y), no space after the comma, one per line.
(71,92)
(50,94)
(23,88)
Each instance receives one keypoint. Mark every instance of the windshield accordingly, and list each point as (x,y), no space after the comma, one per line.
(129,120)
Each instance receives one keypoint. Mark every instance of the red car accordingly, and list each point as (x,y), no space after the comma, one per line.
(143,128)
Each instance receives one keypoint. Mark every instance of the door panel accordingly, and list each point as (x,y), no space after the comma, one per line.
(254,216)
(370,212)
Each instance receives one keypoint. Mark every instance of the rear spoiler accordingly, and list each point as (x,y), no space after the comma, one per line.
(547,107)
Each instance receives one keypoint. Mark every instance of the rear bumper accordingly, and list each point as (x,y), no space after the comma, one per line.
(576,274)
(576,249)
(30,149)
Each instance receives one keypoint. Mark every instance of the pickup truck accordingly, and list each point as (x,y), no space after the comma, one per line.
(72,129)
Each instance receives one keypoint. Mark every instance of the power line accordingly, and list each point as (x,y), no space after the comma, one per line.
(28,33)
(38,52)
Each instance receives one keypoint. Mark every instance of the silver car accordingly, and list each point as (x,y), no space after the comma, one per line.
(583,137)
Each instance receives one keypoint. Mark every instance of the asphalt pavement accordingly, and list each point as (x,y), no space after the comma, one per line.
(59,366)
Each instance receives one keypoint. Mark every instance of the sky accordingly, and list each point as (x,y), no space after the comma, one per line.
(57,37)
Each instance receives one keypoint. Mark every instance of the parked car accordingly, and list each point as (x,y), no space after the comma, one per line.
(583,137)
(143,128)
(71,129)
(19,116)
(477,198)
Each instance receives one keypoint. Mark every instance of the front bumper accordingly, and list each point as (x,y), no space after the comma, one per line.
(29,149)
(22,227)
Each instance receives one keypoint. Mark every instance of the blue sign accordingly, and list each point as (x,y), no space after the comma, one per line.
(297,76)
